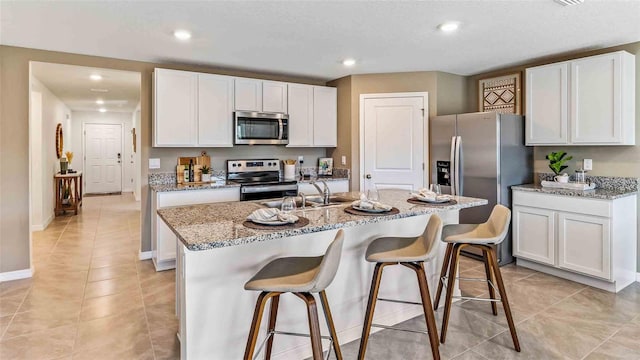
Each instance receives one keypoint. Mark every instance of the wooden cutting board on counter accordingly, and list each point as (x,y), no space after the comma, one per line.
(198,161)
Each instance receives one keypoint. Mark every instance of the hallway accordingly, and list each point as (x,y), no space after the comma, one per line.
(90,296)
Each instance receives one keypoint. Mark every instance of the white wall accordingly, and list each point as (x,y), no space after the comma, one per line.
(79,118)
(137,155)
(53,112)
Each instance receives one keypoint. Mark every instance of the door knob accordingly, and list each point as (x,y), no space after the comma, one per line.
(368,176)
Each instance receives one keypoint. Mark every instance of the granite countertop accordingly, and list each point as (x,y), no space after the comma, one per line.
(307,179)
(209,226)
(182,187)
(603,194)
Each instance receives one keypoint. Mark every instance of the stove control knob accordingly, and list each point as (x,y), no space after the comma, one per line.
(234,165)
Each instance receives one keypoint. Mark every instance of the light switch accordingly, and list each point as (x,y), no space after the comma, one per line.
(154,163)
(344,160)
(300,159)
(587,164)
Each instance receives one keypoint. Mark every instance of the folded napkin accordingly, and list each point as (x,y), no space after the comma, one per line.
(272,215)
(367,204)
(425,194)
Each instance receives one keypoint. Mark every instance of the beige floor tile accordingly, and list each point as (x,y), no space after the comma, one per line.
(110,287)
(161,315)
(470,355)
(41,319)
(161,294)
(473,288)
(467,263)
(112,272)
(111,305)
(4,323)
(611,350)
(42,345)
(512,272)
(629,336)
(165,343)
(43,300)
(15,287)
(122,336)
(10,304)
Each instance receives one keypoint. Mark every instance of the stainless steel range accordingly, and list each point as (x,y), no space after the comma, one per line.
(259,179)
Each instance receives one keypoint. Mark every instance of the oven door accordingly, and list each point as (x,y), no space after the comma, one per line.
(261,192)
(252,128)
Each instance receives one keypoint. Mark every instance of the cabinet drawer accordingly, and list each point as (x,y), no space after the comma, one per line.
(593,207)
(194,197)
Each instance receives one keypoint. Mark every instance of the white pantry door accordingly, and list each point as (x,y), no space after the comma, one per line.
(103,154)
(394,150)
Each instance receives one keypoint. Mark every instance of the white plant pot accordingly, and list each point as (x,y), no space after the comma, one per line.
(206,177)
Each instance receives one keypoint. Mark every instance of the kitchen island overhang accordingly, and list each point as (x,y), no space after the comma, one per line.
(217,255)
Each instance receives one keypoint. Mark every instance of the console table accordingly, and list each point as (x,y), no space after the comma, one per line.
(68,190)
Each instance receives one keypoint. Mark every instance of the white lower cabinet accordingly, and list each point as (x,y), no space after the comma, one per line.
(335,186)
(591,241)
(163,240)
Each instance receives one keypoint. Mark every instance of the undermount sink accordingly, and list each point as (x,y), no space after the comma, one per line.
(313,201)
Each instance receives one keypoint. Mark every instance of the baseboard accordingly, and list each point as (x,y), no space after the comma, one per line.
(43,226)
(16,275)
(145,255)
(638,277)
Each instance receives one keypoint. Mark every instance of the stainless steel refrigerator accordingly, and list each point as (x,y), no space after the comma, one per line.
(480,155)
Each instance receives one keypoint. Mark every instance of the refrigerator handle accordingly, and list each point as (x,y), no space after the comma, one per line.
(452,165)
(458,185)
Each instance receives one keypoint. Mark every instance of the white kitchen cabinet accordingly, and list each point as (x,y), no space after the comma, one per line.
(547,115)
(325,116)
(588,101)
(215,110)
(587,240)
(335,186)
(534,234)
(313,116)
(163,240)
(175,108)
(260,95)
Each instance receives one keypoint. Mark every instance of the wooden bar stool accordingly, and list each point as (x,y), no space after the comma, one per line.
(411,252)
(301,276)
(483,236)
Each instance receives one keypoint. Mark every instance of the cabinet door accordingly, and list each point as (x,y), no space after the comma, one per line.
(547,104)
(175,102)
(584,244)
(300,115)
(166,242)
(534,234)
(215,110)
(325,116)
(274,97)
(248,94)
(596,107)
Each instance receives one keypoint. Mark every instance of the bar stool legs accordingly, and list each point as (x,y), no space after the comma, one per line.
(314,324)
(426,306)
(492,270)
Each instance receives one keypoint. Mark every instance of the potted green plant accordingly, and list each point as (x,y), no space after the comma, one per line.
(206,173)
(557,162)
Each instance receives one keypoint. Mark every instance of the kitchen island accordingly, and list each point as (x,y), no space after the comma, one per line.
(217,255)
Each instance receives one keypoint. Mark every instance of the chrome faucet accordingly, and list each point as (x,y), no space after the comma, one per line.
(326,193)
(304,199)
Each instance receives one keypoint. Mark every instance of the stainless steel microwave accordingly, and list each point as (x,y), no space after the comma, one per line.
(256,128)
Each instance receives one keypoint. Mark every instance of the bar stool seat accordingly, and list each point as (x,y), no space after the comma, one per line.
(410,252)
(481,236)
(301,276)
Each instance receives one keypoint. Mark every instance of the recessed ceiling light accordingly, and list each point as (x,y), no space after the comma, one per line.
(449,26)
(99,102)
(569,2)
(99,90)
(182,35)
(349,62)
(95,77)
(102,110)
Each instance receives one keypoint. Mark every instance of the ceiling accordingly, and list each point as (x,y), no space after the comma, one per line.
(311,38)
(73,86)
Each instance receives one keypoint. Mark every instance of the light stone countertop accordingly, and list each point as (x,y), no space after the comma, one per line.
(209,226)
(603,194)
(225,184)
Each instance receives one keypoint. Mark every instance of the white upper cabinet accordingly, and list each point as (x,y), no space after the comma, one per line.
(274,97)
(588,101)
(313,116)
(248,94)
(175,108)
(547,114)
(325,116)
(260,95)
(300,115)
(215,109)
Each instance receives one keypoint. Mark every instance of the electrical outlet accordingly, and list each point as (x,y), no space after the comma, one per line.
(300,159)
(587,164)
(154,163)
(344,160)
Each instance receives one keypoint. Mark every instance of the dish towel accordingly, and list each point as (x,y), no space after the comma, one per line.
(367,204)
(425,194)
(272,215)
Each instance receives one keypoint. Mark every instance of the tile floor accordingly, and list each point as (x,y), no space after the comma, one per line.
(91,298)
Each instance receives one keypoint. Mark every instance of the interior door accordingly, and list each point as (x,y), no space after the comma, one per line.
(394,142)
(103,154)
